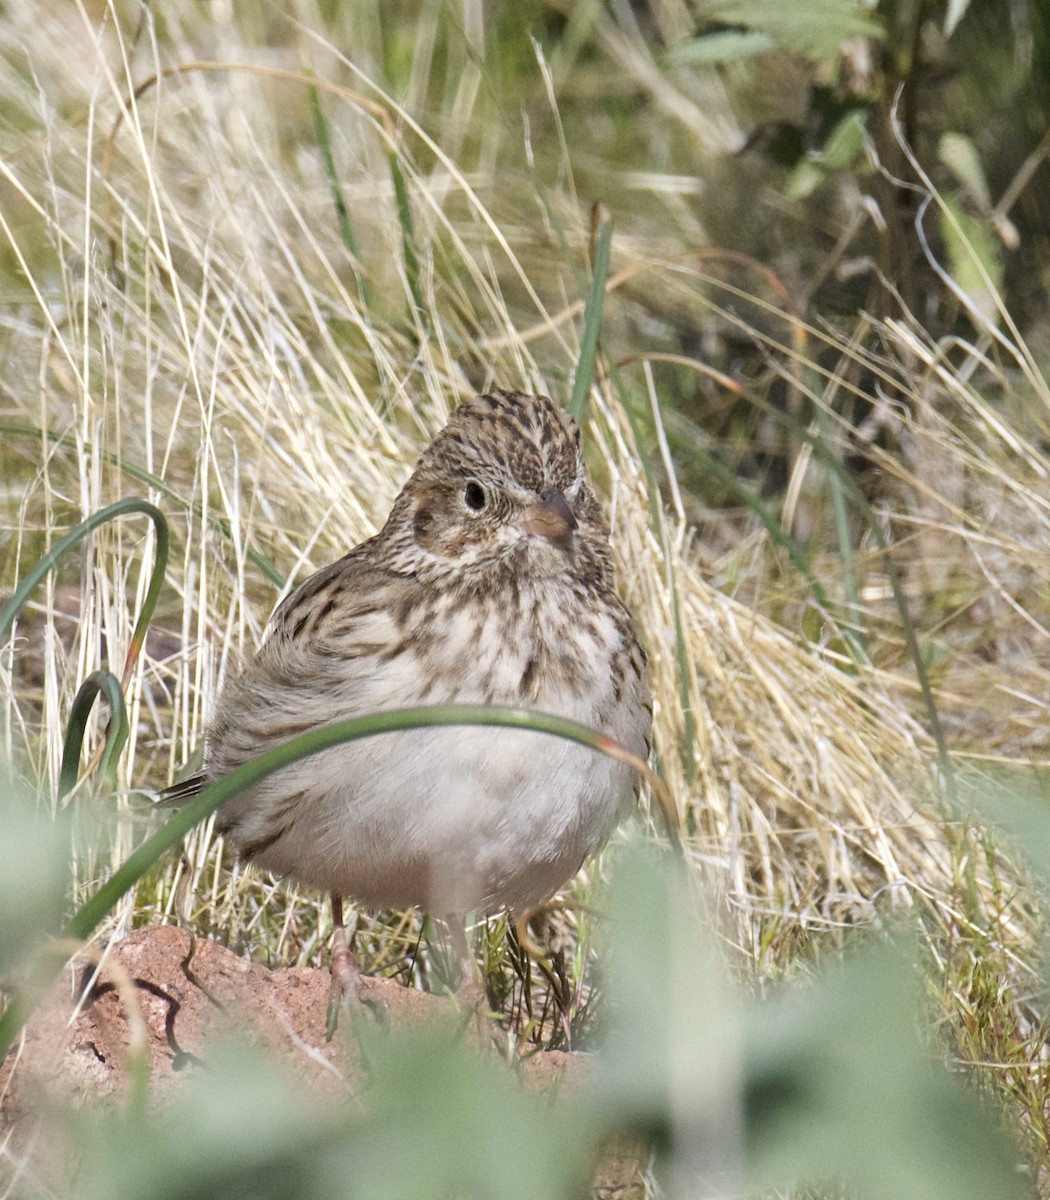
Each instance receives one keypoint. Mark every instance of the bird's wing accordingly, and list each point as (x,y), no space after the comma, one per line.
(338,612)
(179,793)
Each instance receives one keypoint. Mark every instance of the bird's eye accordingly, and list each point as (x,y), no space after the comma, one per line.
(474,496)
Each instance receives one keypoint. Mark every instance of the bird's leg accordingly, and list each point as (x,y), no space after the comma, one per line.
(342,992)
(467,986)
(471,994)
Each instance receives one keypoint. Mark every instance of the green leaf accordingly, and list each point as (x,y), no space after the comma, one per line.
(974,258)
(826,1082)
(438,1120)
(815,28)
(959,155)
(725,46)
(845,143)
(804,180)
(1018,801)
(840,1087)
(463,1126)
(672,1055)
(239,1126)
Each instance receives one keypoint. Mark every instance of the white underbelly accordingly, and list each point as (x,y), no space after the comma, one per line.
(451,818)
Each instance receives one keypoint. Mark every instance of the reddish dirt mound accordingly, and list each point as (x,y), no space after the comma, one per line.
(151,994)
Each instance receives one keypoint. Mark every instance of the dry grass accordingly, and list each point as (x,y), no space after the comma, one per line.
(178,301)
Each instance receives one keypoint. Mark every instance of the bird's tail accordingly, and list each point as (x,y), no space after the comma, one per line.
(181,792)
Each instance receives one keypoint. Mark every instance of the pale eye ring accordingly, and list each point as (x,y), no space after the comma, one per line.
(474,496)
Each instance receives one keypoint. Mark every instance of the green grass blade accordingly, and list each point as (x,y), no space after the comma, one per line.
(342,211)
(116,731)
(153,481)
(839,507)
(408,239)
(218,793)
(592,316)
(76,535)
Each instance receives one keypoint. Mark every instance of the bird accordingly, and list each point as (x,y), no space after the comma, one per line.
(490,582)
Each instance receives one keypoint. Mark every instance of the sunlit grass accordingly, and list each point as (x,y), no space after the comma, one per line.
(185,319)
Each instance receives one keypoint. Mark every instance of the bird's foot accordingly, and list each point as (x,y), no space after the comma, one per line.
(346,976)
(343,992)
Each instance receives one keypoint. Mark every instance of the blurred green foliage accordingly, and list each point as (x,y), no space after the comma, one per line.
(34,875)
(829,1083)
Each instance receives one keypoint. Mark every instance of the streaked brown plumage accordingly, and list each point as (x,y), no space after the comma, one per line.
(491,582)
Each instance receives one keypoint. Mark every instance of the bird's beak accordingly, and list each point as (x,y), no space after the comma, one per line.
(550,516)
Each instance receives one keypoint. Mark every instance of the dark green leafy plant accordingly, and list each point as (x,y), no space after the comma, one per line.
(816,28)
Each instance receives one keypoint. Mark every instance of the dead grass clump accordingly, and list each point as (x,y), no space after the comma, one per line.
(186,320)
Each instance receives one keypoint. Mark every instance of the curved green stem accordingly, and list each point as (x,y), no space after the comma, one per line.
(218,793)
(314,740)
(116,731)
(77,535)
(98,681)
(408,239)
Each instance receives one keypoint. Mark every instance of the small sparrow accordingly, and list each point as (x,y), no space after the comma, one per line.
(491,582)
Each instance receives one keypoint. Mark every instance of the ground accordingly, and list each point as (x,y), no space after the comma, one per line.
(152,998)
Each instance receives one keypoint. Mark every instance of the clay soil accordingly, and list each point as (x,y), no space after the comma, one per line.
(152,995)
